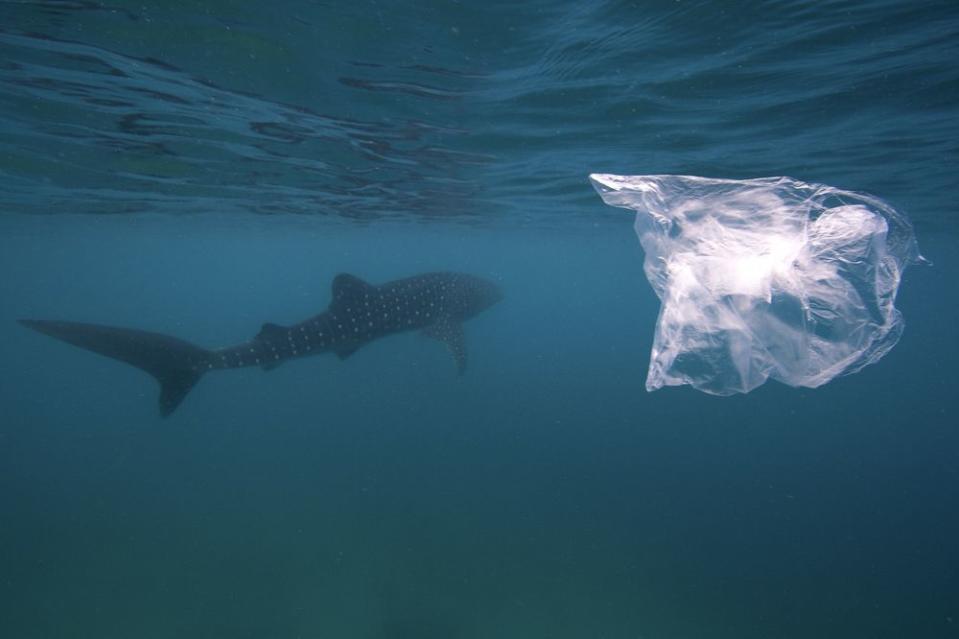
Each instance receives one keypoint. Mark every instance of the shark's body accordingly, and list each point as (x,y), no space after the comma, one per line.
(436,303)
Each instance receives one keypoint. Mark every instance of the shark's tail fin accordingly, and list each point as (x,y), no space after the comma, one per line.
(176,365)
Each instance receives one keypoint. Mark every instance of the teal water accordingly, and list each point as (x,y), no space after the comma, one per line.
(201,168)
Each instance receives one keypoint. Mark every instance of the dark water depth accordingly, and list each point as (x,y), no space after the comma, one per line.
(543,494)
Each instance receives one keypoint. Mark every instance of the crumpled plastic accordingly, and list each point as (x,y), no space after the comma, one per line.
(765,278)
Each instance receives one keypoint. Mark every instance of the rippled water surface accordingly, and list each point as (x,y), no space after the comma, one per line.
(200,168)
(477,111)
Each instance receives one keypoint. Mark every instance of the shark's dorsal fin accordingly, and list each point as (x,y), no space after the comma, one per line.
(347,288)
(450,332)
(271,332)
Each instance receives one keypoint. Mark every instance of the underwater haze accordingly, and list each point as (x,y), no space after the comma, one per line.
(198,169)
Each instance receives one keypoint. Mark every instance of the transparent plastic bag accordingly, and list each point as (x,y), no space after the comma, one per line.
(763,278)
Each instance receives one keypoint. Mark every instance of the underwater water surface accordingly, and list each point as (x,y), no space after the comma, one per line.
(199,169)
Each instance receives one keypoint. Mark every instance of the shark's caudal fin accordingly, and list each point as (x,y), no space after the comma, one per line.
(176,365)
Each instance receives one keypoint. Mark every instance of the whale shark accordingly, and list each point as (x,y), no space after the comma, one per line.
(359,313)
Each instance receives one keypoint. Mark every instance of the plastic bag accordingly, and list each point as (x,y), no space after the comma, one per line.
(764,278)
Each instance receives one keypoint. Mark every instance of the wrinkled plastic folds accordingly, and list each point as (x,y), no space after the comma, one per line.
(763,278)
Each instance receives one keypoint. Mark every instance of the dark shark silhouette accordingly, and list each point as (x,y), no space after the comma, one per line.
(436,303)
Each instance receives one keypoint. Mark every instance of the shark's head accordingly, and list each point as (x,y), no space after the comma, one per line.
(478,294)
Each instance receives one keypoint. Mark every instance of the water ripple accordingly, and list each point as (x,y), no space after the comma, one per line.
(87,125)
(461,111)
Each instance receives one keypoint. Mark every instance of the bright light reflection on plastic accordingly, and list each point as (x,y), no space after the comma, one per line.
(763,278)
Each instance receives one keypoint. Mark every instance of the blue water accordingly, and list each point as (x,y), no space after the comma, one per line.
(198,169)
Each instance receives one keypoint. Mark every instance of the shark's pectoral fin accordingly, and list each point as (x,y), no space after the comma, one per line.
(450,332)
